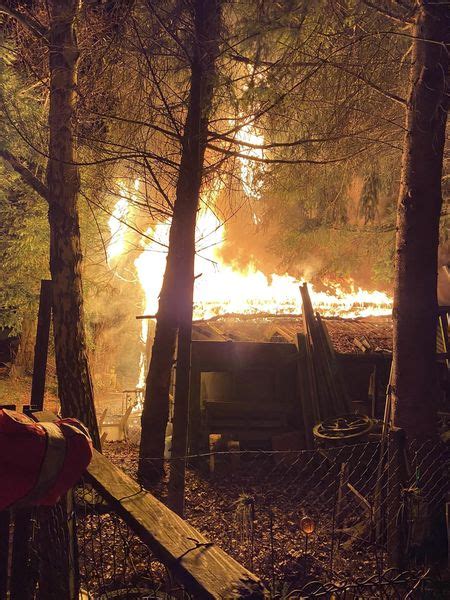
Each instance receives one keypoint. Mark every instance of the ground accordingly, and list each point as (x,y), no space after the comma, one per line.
(252,508)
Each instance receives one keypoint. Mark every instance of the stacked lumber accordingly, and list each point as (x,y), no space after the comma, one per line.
(321,385)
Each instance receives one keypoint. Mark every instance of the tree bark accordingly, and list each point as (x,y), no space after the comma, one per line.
(176,299)
(63,182)
(419,206)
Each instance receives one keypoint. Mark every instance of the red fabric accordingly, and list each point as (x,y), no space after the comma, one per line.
(22,449)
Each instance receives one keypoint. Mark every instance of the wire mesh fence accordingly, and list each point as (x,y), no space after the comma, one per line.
(113,561)
(336,514)
(318,523)
(389,584)
(81,548)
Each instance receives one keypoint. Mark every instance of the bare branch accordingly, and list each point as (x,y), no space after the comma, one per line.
(390,14)
(28,177)
(285,161)
(299,142)
(31,24)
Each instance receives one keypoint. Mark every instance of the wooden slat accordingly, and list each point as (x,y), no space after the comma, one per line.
(202,567)
(41,345)
(306,390)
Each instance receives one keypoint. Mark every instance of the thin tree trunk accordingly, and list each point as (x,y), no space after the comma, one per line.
(415,383)
(63,182)
(175,305)
(419,208)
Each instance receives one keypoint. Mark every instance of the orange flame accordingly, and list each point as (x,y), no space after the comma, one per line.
(222,288)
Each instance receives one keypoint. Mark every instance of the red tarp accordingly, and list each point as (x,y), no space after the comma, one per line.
(39,462)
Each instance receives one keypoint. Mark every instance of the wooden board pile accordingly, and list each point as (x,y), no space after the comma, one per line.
(321,386)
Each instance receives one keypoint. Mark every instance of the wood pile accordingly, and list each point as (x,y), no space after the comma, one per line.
(321,386)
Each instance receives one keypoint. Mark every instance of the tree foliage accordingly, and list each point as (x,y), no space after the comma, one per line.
(23,214)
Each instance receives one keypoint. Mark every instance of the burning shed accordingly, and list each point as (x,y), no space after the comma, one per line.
(246,379)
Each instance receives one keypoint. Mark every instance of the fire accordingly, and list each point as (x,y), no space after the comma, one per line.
(150,266)
(225,288)
(222,288)
(117,221)
(117,226)
(250,170)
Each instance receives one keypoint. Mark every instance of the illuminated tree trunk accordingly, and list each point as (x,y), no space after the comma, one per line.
(175,304)
(419,208)
(74,380)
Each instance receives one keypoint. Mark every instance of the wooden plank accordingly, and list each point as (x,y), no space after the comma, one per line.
(196,442)
(379,358)
(362,500)
(337,382)
(225,356)
(41,345)
(306,390)
(202,567)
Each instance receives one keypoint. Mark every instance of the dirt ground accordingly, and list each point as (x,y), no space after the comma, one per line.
(257,521)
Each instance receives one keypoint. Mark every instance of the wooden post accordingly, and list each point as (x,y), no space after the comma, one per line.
(57,573)
(373,391)
(4,552)
(395,531)
(342,493)
(41,345)
(304,390)
(177,478)
(195,441)
(21,582)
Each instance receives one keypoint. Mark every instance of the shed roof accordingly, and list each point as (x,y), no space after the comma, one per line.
(283,328)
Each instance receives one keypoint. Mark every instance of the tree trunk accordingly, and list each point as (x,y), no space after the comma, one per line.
(419,207)
(175,304)
(74,380)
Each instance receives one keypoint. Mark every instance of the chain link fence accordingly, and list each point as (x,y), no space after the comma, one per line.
(337,514)
(325,523)
(81,548)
